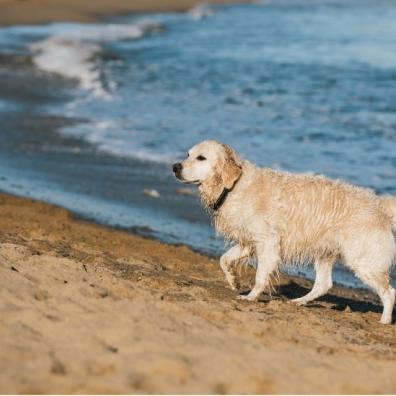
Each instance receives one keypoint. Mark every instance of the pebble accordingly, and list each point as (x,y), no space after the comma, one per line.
(102,291)
(41,295)
(112,348)
(151,193)
(58,368)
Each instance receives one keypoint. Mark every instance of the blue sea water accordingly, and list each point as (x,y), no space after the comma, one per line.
(297,85)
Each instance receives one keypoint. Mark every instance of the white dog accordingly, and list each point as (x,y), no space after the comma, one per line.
(280,217)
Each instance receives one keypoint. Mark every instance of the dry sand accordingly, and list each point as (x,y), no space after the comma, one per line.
(42,11)
(88,309)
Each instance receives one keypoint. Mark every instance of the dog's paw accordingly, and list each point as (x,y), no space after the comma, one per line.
(299,301)
(385,320)
(246,297)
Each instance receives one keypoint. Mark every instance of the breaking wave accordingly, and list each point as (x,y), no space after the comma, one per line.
(73,53)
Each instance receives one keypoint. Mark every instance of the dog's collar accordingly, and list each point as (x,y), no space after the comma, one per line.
(222,197)
(220,200)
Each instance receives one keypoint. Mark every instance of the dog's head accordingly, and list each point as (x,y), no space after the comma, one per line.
(211,165)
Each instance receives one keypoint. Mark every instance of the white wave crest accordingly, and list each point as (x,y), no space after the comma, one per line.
(72,53)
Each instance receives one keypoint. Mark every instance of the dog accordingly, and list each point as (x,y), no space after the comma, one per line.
(277,217)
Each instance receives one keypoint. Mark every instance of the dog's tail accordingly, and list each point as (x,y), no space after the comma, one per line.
(389,204)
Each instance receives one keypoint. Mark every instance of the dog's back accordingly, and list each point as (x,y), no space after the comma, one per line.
(316,216)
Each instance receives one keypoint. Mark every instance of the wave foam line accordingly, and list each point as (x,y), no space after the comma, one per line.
(72,53)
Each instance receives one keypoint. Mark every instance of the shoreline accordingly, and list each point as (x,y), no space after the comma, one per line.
(92,301)
(13,12)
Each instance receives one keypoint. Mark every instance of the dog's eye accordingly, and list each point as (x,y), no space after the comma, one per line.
(201,158)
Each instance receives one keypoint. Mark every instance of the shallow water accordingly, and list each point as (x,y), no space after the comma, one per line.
(296,85)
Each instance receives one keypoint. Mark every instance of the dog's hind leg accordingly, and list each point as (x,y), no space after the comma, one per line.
(268,260)
(379,282)
(227,259)
(371,261)
(323,281)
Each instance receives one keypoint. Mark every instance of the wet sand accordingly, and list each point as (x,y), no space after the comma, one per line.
(42,11)
(90,309)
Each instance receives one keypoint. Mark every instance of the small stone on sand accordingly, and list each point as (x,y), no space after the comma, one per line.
(151,193)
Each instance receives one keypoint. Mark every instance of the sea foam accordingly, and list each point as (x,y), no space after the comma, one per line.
(72,53)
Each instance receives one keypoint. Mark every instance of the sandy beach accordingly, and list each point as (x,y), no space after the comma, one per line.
(89,309)
(42,11)
(92,309)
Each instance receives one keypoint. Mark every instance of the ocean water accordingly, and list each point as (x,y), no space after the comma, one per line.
(93,114)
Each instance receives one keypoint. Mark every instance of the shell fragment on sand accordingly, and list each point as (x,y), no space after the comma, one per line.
(151,193)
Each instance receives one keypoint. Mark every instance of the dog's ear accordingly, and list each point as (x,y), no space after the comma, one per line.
(232,168)
(212,187)
(226,172)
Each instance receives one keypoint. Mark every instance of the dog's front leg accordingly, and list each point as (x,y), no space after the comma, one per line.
(267,261)
(227,259)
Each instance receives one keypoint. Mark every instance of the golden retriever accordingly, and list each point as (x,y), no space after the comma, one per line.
(281,217)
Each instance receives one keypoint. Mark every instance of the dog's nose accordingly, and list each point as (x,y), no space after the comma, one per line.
(177,167)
